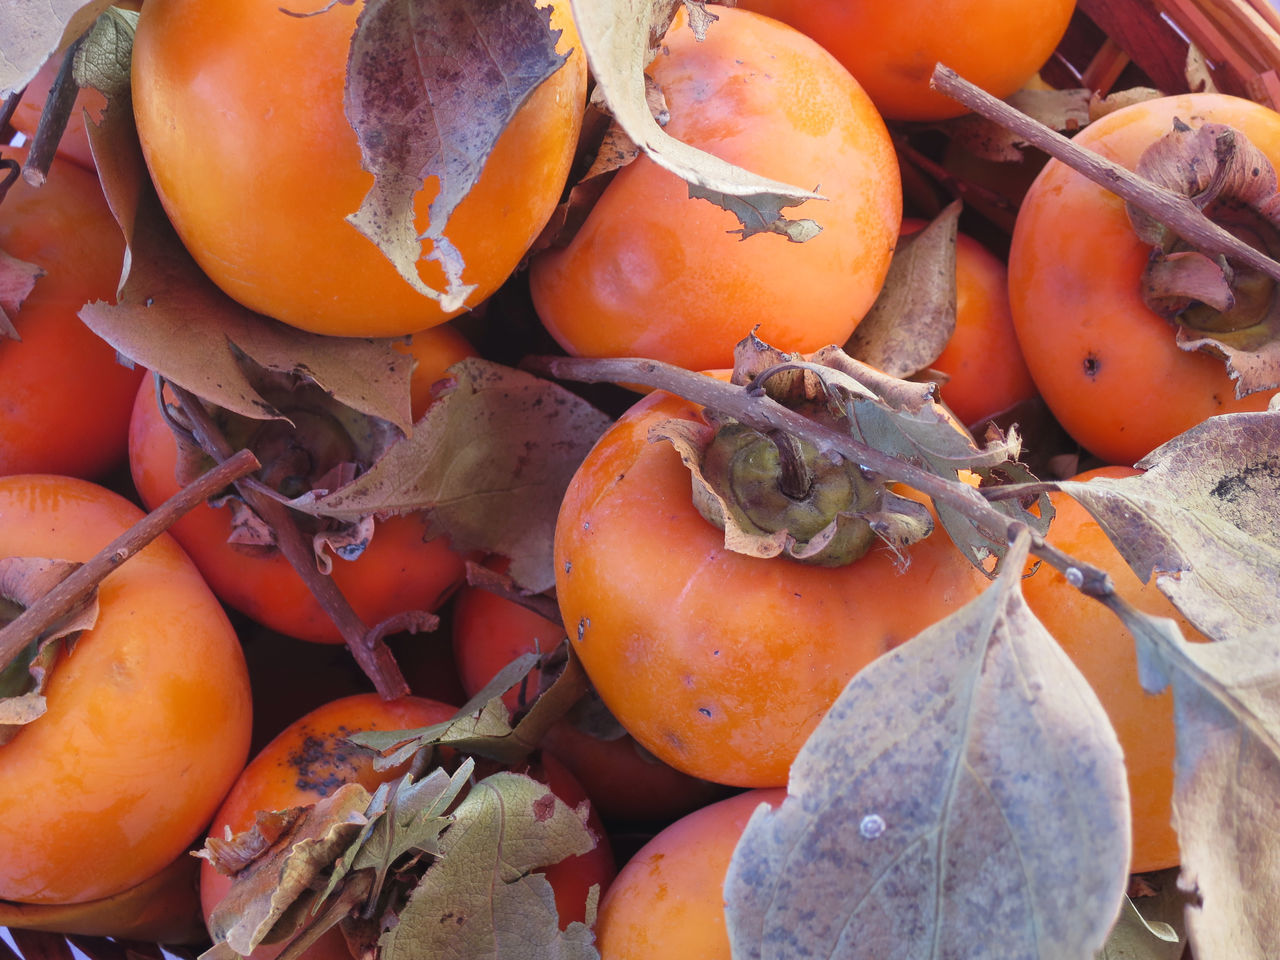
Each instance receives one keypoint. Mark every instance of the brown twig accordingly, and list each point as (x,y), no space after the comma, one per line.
(1171,209)
(53,120)
(55,604)
(367,646)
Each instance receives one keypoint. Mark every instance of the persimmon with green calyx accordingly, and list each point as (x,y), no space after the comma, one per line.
(147,718)
(1107,364)
(65,401)
(719,662)
(668,900)
(402,567)
(1102,648)
(892,47)
(655,273)
(240,112)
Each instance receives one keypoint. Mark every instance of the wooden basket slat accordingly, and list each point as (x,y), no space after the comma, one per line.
(1140,30)
(37,945)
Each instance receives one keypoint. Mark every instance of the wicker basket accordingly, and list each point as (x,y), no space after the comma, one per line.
(1111,45)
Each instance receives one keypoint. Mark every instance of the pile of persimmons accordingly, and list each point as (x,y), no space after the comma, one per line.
(550,370)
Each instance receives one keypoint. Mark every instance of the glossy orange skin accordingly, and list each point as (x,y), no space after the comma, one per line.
(1103,651)
(721,664)
(654,273)
(892,47)
(624,781)
(400,570)
(668,901)
(982,358)
(309,760)
(1106,365)
(240,113)
(148,717)
(65,402)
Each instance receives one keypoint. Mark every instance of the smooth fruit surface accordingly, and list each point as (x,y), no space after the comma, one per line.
(65,398)
(718,663)
(1106,365)
(654,273)
(1103,650)
(668,901)
(240,113)
(892,47)
(148,716)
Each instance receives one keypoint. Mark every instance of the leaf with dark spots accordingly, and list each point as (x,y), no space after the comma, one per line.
(965,796)
(431,85)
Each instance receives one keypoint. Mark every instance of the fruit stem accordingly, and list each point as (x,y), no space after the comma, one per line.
(38,617)
(1173,210)
(796,479)
(367,646)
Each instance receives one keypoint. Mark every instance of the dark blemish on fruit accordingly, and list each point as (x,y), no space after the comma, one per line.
(582,627)
(705,712)
(1091,364)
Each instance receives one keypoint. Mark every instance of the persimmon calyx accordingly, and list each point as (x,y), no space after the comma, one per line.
(23,580)
(1223,308)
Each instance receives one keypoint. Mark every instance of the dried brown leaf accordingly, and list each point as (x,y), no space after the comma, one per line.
(31,33)
(964,797)
(17,280)
(619,37)
(1099,107)
(484,897)
(431,84)
(490,461)
(1201,519)
(915,314)
(1063,110)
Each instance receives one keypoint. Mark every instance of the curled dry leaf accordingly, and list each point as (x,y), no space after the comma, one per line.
(1100,106)
(17,280)
(1227,712)
(32,33)
(484,897)
(1201,519)
(915,314)
(1063,110)
(431,84)
(490,461)
(964,796)
(23,581)
(619,38)
(1225,309)
(1134,937)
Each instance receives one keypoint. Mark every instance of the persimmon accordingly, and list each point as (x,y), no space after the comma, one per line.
(65,404)
(240,112)
(403,567)
(1103,650)
(982,360)
(721,664)
(1104,362)
(148,713)
(892,47)
(624,781)
(311,758)
(655,273)
(668,900)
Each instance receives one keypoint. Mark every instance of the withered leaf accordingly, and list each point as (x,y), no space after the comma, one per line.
(173,320)
(32,33)
(103,59)
(915,314)
(431,84)
(619,37)
(964,797)
(483,897)
(17,280)
(269,887)
(1134,937)
(1064,110)
(1201,519)
(490,461)
(1227,712)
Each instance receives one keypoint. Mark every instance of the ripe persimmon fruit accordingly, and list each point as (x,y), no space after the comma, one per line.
(1106,364)
(148,712)
(655,273)
(66,398)
(668,900)
(403,567)
(240,112)
(722,664)
(1103,650)
(892,47)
